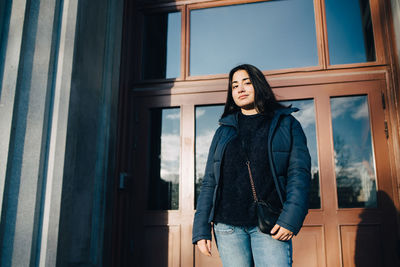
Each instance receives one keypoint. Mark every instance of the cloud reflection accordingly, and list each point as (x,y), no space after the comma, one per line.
(170,148)
(203,143)
(306,114)
(353,105)
(200,112)
(361,112)
(174,115)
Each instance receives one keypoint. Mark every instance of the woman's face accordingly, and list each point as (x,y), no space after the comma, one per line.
(243,91)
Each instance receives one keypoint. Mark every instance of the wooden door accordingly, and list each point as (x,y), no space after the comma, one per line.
(357,214)
(351,215)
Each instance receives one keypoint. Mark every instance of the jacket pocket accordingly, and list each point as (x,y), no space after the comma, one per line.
(223,229)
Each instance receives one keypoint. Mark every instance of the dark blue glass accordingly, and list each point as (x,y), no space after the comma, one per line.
(306,117)
(161,46)
(354,157)
(270,35)
(163,189)
(206,123)
(350,33)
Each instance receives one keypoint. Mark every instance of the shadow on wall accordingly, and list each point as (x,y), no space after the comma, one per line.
(370,249)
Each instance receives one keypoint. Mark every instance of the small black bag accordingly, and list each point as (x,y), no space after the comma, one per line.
(267,216)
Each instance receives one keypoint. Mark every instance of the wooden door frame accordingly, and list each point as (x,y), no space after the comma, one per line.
(130,88)
(341,86)
(336,217)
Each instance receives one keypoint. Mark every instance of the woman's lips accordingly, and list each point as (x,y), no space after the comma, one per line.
(243,96)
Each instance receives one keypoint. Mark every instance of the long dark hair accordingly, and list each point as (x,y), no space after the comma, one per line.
(264,99)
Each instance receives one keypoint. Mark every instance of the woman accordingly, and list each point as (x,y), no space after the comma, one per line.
(254,128)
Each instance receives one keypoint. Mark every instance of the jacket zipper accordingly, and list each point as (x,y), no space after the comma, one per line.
(271,162)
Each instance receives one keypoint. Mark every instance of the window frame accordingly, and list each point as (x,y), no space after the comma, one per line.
(378,39)
(185,7)
(138,47)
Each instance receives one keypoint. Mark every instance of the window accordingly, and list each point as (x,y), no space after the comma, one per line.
(161,46)
(206,124)
(306,117)
(350,33)
(269,35)
(354,157)
(163,188)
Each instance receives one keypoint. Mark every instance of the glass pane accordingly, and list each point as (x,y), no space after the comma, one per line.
(350,33)
(163,190)
(354,157)
(161,46)
(269,35)
(206,123)
(306,116)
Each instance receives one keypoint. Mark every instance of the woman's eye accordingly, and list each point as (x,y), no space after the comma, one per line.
(234,86)
(248,82)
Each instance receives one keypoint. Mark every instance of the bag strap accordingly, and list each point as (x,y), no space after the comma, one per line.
(253,188)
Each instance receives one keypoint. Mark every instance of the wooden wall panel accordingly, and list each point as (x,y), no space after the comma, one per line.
(203,261)
(361,245)
(162,246)
(308,247)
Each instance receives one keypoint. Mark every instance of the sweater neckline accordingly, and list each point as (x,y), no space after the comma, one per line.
(257,115)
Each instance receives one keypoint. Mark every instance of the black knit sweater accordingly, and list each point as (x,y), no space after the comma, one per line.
(235,203)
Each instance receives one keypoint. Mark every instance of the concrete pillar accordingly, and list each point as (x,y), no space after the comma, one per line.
(59,81)
(51,203)
(9,66)
(91,134)
(27,89)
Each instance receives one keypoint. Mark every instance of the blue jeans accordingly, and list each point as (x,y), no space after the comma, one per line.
(247,246)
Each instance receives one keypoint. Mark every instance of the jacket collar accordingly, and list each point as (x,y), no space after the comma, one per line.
(232,119)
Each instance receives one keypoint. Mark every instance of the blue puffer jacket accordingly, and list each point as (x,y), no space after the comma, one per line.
(290,164)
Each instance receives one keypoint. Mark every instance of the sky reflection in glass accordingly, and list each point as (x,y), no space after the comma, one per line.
(306,117)
(354,158)
(350,33)
(173,45)
(165,158)
(270,35)
(206,124)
